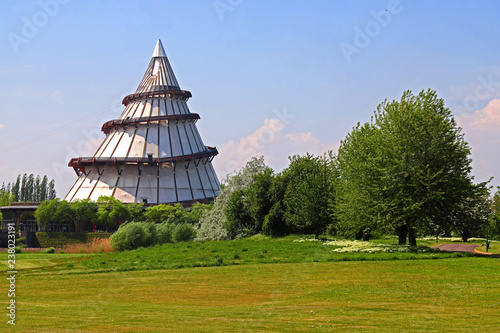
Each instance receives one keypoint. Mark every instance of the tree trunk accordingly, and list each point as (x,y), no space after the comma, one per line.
(366,235)
(402,232)
(411,237)
(465,236)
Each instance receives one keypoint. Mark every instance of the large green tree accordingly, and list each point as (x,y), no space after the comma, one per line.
(358,177)
(111,212)
(49,212)
(416,164)
(309,194)
(85,212)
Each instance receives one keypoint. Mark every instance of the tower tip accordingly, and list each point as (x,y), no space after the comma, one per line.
(159,51)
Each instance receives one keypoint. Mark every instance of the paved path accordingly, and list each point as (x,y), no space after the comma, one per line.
(457,247)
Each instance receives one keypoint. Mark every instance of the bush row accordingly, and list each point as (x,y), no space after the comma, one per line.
(133,235)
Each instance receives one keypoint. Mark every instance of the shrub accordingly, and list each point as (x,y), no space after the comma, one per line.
(164,233)
(183,233)
(150,234)
(131,236)
(17,249)
(274,224)
(50,250)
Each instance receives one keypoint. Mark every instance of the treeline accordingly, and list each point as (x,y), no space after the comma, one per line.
(407,172)
(30,188)
(254,200)
(109,213)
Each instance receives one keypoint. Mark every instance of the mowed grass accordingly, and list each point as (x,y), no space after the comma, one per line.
(255,250)
(446,295)
(258,284)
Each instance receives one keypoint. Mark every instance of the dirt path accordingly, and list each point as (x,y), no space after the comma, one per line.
(457,247)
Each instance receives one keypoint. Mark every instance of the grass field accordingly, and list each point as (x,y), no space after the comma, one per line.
(260,285)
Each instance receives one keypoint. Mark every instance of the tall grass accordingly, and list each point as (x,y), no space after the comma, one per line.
(96,245)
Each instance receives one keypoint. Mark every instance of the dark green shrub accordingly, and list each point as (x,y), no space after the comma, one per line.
(274,223)
(17,249)
(50,250)
(183,233)
(164,233)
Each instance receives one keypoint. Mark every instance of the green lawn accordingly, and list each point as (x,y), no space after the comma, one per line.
(256,285)
(448,295)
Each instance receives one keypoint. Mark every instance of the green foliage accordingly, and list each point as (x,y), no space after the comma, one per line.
(161,213)
(309,193)
(85,213)
(198,209)
(357,181)
(472,217)
(50,250)
(183,233)
(164,233)
(28,188)
(111,212)
(302,197)
(64,213)
(130,236)
(133,235)
(408,170)
(46,213)
(136,211)
(213,221)
(258,197)
(5,199)
(274,222)
(238,221)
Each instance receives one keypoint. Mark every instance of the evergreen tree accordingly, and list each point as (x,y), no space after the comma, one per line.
(24,191)
(43,189)
(51,191)
(16,188)
(30,188)
(36,189)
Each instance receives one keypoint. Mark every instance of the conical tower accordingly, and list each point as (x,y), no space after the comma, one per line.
(153,153)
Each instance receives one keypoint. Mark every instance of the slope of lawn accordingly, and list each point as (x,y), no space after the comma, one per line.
(255,250)
(259,284)
(448,295)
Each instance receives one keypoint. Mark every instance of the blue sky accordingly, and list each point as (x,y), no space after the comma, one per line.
(267,77)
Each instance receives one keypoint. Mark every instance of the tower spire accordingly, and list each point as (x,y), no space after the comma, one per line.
(159,51)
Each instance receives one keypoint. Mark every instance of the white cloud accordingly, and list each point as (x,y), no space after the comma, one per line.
(482,132)
(270,142)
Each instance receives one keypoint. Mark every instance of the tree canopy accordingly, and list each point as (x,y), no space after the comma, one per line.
(407,170)
(31,188)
